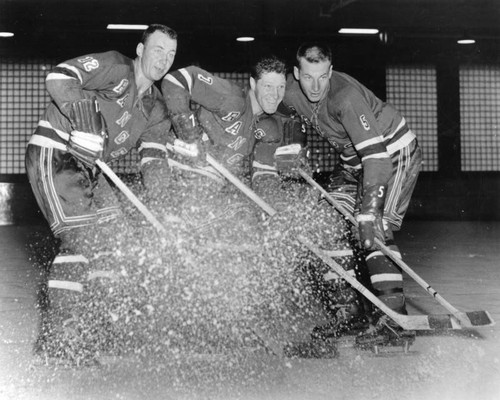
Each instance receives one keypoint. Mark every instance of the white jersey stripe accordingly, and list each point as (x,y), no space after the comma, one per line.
(57,76)
(377,156)
(188,78)
(48,125)
(259,165)
(402,142)
(153,145)
(72,69)
(377,278)
(42,141)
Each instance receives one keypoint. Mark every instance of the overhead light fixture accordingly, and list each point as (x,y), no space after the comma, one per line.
(6,34)
(358,31)
(466,41)
(245,39)
(127,27)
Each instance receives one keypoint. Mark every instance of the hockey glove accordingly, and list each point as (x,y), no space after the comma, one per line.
(87,139)
(186,149)
(187,127)
(289,158)
(370,217)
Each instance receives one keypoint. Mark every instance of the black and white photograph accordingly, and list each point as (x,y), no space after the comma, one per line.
(249,199)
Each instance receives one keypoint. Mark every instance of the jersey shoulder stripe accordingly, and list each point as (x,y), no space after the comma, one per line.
(181,78)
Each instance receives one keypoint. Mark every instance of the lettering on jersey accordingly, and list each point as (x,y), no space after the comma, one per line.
(235,159)
(121,102)
(231,116)
(364,122)
(207,79)
(234,128)
(89,63)
(120,152)
(259,133)
(121,86)
(124,119)
(121,137)
(237,143)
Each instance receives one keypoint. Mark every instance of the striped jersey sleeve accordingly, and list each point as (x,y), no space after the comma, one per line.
(67,81)
(194,84)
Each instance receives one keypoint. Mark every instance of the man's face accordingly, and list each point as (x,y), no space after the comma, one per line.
(157,55)
(314,79)
(269,90)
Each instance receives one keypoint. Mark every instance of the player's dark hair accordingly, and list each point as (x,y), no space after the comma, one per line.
(268,64)
(314,52)
(158,27)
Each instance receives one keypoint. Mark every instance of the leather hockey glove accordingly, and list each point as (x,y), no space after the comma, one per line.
(289,158)
(87,139)
(370,217)
(187,127)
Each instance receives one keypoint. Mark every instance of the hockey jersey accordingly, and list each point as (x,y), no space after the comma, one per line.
(365,130)
(131,121)
(224,111)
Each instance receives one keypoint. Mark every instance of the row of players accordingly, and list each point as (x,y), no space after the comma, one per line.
(105,104)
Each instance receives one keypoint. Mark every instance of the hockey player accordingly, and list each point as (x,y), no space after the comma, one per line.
(378,153)
(228,119)
(103,106)
(238,126)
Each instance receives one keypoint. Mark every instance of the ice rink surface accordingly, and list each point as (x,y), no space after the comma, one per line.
(461,260)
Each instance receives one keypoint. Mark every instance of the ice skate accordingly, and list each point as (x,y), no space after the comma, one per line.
(383,334)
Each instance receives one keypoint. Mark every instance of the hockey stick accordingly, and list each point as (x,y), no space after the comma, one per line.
(473,318)
(410,322)
(240,185)
(131,196)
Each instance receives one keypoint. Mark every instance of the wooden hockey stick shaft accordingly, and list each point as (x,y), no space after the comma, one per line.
(131,196)
(387,251)
(410,322)
(240,185)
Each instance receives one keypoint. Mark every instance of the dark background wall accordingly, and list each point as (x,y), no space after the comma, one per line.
(448,193)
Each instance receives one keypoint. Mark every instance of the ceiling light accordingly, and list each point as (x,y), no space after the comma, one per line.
(245,39)
(6,34)
(127,26)
(466,41)
(358,31)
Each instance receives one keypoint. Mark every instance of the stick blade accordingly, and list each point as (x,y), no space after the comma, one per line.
(444,321)
(480,318)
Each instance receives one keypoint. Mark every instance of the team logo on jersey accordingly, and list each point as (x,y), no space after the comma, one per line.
(121,86)
(121,137)
(124,119)
(89,63)
(364,122)
(259,133)
(231,116)
(234,128)
(207,79)
(235,159)
(333,143)
(237,143)
(121,102)
(120,152)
